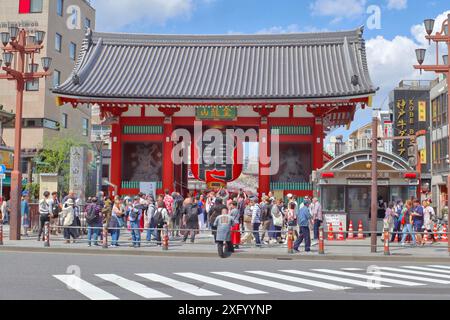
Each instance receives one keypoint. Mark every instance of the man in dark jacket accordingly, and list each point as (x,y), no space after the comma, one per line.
(190,213)
(94,226)
(215,211)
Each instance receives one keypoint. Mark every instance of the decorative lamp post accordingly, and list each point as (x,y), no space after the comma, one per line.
(18,48)
(439,37)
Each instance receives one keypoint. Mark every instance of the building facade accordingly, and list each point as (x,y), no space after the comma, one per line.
(64,22)
(439,147)
(275,85)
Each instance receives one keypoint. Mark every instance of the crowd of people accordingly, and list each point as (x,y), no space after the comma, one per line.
(409,220)
(258,221)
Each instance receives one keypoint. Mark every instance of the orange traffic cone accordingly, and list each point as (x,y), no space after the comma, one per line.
(341,236)
(360,231)
(396,238)
(330,233)
(351,236)
(444,237)
(435,232)
(425,236)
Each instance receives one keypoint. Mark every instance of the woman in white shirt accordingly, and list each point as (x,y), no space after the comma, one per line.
(428,217)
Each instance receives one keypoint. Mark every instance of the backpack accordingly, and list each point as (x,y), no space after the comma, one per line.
(56,209)
(91,216)
(192,213)
(158,218)
(403,221)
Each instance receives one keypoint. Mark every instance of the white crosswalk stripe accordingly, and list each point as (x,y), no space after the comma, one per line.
(312,283)
(440,267)
(427,269)
(85,288)
(182,286)
(412,277)
(263,282)
(367,284)
(370,277)
(133,286)
(276,281)
(221,283)
(423,273)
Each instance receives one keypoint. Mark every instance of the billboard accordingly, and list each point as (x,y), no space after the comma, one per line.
(7,159)
(410,111)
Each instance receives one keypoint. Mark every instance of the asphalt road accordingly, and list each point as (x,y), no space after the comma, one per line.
(51,276)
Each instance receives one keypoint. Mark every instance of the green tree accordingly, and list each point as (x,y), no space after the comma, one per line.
(55,158)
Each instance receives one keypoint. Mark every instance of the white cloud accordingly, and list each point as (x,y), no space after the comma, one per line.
(338,8)
(397,4)
(114,15)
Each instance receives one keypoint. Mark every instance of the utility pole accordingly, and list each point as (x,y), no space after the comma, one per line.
(374,192)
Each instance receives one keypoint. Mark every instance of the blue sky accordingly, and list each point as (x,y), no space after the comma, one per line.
(390,48)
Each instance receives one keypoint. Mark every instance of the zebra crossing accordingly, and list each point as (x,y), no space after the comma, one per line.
(256,283)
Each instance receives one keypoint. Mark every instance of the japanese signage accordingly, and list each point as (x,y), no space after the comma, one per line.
(335,220)
(216,113)
(78,171)
(410,116)
(7,159)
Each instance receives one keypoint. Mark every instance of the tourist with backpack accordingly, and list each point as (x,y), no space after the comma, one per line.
(161,220)
(116,222)
(149,219)
(44,213)
(397,220)
(94,221)
(277,219)
(256,219)
(407,223)
(134,214)
(266,218)
(69,223)
(190,214)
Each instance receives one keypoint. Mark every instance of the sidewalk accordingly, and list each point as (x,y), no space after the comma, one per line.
(204,247)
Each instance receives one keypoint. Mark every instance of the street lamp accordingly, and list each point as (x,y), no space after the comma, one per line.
(21,48)
(444,37)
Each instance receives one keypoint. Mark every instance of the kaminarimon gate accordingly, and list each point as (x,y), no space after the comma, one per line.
(147,86)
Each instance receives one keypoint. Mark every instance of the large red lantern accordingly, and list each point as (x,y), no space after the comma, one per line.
(214,163)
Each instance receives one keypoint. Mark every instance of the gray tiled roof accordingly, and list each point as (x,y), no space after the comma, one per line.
(241,67)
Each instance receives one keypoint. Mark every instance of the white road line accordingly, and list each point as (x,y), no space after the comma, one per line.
(422,273)
(411,277)
(85,288)
(367,284)
(370,277)
(352,269)
(133,286)
(182,286)
(220,283)
(440,267)
(427,269)
(313,283)
(263,282)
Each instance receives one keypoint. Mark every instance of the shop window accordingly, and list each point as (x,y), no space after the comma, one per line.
(359,199)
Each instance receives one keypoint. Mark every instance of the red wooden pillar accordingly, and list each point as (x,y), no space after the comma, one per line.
(318,143)
(116,157)
(168,167)
(167,174)
(264,149)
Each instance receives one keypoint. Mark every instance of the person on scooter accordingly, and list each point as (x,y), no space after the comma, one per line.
(224,223)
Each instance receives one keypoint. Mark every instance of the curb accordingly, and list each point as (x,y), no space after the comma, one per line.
(242,255)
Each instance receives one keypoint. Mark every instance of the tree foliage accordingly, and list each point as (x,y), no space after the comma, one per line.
(55,158)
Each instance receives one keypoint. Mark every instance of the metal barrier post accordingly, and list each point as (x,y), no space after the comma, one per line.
(1,232)
(47,234)
(321,241)
(290,242)
(105,237)
(386,242)
(165,244)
